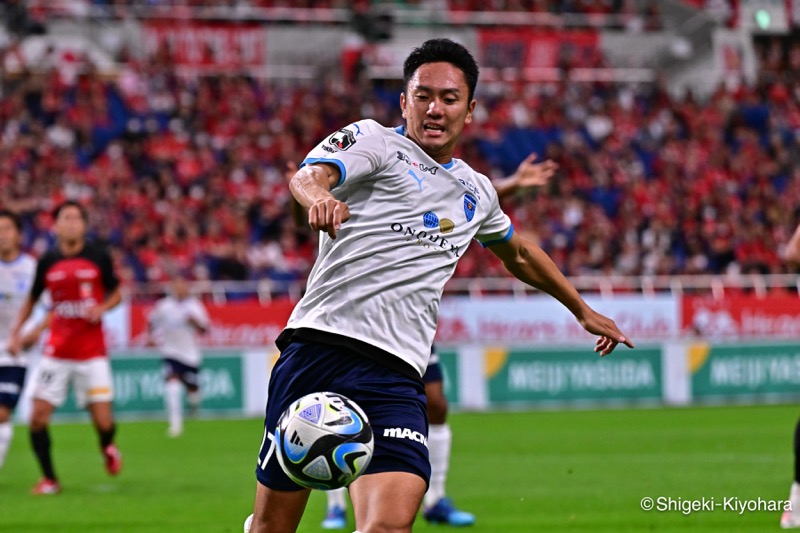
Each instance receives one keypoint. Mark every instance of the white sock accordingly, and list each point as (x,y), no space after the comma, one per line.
(336,498)
(194,399)
(439,441)
(794,493)
(6,432)
(172,400)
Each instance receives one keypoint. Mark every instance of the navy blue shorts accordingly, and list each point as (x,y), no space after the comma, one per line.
(389,399)
(433,373)
(12,378)
(187,374)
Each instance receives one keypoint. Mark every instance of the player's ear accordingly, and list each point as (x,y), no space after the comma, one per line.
(470,109)
(403,103)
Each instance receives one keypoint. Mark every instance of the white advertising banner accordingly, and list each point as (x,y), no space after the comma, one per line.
(542,319)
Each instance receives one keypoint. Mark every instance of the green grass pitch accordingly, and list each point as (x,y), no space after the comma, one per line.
(519,472)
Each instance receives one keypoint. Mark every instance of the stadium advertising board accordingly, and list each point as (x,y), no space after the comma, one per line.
(139,384)
(744,371)
(742,316)
(206,44)
(539,319)
(572,375)
(448,360)
(245,324)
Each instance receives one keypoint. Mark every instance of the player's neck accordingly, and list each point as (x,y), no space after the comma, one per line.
(9,256)
(71,247)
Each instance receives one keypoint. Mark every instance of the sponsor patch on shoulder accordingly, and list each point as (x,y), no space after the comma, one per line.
(342,139)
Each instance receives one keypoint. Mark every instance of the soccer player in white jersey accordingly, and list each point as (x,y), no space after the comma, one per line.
(437,507)
(17,270)
(397,211)
(175,323)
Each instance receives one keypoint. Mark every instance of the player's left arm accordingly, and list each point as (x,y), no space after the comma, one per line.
(528,174)
(198,318)
(532,265)
(111,285)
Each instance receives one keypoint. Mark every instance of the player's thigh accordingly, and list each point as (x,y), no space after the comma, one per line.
(301,369)
(186,374)
(434,392)
(277,511)
(93,382)
(396,408)
(387,502)
(12,379)
(51,380)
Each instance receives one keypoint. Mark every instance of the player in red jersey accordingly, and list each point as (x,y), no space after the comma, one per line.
(82,285)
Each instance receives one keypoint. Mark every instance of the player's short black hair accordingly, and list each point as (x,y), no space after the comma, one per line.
(11,215)
(442,51)
(71,203)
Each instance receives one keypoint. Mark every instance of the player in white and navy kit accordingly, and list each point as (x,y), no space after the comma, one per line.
(438,508)
(397,211)
(175,322)
(17,270)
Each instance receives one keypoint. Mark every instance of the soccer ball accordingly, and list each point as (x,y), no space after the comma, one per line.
(324,441)
(248,523)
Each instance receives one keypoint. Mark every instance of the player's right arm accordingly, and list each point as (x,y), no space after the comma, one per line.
(311,187)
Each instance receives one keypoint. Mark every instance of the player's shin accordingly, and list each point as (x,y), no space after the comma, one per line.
(439,443)
(6,433)
(40,440)
(172,401)
(194,398)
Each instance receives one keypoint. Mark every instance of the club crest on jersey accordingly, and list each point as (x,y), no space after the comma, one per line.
(430,220)
(469,206)
(342,139)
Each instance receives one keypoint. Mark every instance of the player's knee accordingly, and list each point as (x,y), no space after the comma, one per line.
(39,421)
(5,415)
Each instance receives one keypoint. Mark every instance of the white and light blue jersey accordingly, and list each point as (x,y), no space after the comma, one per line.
(411,219)
(16,278)
(175,336)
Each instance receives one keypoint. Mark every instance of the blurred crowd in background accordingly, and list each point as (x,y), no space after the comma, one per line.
(189,175)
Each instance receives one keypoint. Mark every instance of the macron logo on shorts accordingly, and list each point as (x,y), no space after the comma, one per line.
(9,388)
(405,433)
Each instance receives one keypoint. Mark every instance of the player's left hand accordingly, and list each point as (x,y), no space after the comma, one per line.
(530,174)
(607,329)
(94,314)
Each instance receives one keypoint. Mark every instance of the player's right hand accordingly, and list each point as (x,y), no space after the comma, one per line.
(327,215)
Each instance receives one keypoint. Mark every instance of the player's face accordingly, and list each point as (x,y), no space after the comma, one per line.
(70,225)
(10,239)
(436,107)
